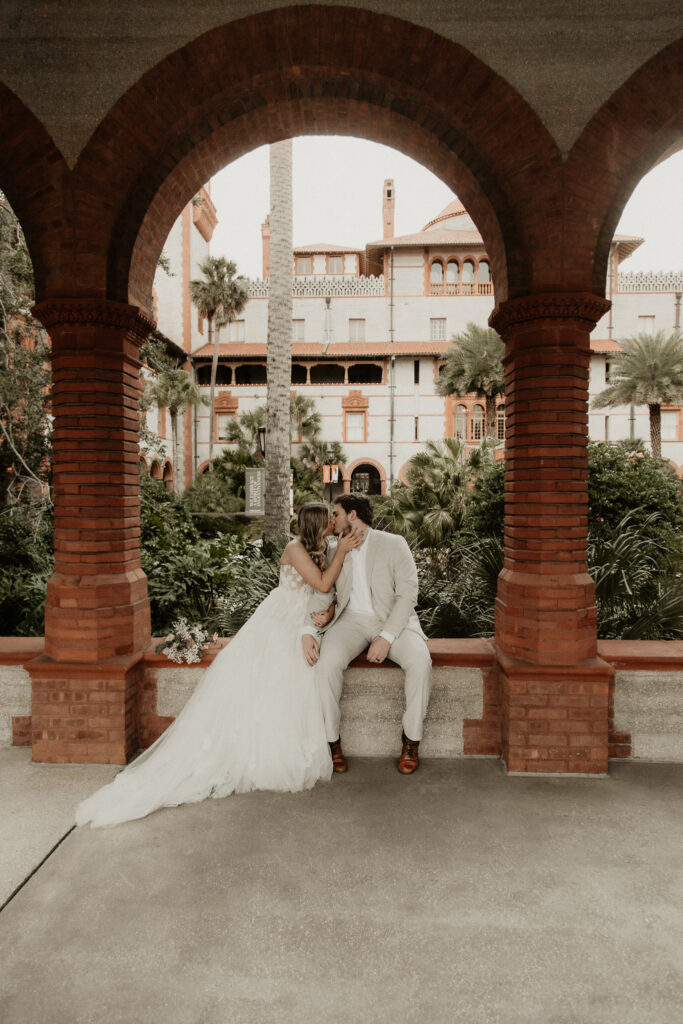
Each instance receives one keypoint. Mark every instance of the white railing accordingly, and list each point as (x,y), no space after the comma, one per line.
(323,286)
(651,281)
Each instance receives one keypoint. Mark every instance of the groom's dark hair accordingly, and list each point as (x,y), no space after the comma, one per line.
(357,503)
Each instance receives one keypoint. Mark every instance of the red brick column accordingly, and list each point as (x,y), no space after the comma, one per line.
(554,688)
(97,615)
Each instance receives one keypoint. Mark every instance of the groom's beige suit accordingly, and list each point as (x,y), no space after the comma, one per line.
(390,583)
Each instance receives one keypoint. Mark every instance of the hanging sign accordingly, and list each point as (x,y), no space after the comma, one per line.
(255,491)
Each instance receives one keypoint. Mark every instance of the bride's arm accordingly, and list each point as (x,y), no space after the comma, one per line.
(309,571)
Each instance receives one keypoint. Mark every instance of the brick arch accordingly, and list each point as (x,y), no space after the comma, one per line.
(638,126)
(303,70)
(33,178)
(367,462)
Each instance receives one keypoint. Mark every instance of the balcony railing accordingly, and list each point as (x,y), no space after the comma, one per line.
(462,288)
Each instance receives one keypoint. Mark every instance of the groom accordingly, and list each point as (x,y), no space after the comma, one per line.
(375,605)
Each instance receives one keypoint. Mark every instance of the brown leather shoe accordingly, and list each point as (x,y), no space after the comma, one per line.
(338,760)
(408,762)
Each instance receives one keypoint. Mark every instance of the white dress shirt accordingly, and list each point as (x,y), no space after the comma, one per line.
(360,602)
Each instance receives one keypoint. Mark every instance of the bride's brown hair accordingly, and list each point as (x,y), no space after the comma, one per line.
(313,519)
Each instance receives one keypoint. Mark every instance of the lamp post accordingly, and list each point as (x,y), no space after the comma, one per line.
(330,463)
(262,441)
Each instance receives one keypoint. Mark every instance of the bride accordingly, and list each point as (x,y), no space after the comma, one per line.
(254,721)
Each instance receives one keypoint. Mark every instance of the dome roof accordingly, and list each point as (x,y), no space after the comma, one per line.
(454,209)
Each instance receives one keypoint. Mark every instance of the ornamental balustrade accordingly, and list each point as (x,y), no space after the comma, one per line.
(462,288)
(323,286)
(651,281)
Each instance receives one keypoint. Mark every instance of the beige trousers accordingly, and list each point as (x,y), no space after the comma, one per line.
(349,637)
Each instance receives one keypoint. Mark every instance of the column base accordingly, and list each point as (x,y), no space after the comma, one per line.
(555,720)
(84,713)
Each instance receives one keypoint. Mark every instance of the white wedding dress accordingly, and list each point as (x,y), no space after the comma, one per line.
(254,722)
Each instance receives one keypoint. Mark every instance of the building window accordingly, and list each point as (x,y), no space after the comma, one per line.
(452,277)
(608,371)
(477,422)
(417,429)
(223,375)
(303,265)
(236,330)
(606,428)
(669,425)
(500,423)
(335,264)
(468,271)
(437,329)
(436,278)
(355,426)
(416,371)
(484,271)
(251,373)
(299,374)
(223,421)
(461,422)
(298,330)
(356,330)
(646,325)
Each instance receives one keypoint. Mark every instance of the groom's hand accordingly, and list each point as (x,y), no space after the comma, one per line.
(311,648)
(378,650)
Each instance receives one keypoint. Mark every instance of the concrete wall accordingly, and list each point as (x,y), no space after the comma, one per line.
(15,698)
(650,706)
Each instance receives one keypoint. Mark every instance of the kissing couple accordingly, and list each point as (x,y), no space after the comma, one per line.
(266,713)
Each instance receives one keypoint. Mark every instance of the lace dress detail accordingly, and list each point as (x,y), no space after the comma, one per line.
(254,722)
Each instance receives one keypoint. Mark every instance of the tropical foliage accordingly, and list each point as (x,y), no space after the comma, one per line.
(474,365)
(647,371)
(220,296)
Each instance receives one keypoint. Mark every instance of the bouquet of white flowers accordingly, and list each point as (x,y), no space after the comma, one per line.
(186,642)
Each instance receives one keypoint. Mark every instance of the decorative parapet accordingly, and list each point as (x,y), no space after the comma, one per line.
(323,286)
(651,281)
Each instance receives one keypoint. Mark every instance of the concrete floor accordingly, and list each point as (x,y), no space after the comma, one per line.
(458,894)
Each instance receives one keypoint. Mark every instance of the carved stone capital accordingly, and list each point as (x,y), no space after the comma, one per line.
(226,402)
(581,307)
(93,313)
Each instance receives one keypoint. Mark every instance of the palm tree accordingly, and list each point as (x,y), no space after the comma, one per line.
(172,389)
(279,361)
(429,510)
(305,418)
(647,371)
(474,364)
(220,296)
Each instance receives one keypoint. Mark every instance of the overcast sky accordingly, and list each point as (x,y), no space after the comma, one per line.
(338,198)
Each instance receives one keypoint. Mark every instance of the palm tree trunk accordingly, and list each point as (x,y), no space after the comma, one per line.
(212,391)
(279,360)
(656,430)
(491,416)
(176,462)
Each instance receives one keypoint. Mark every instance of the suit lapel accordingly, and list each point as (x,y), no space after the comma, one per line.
(370,557)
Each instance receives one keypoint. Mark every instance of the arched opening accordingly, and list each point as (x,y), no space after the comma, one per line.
(327,373)
(365,373)
(223,375)
(299,374)
(167,475)
(366,479)
(251,373)
(436,278)
(452,277)
(155,470)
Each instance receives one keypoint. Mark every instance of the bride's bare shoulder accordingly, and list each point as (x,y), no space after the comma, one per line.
(286,557)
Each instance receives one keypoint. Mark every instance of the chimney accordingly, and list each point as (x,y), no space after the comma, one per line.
(388,199)
(265,243)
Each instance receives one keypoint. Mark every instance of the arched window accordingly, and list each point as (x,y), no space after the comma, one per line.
(365,373)
(468,277)
(436,278)
(500,423)
(204,375)
(299,374)
(223,375)
(477,422)
(452,277)
(327,373)
(461,422)
(250,373)
(484,270)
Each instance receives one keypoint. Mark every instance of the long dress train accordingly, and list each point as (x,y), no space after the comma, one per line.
(254,722)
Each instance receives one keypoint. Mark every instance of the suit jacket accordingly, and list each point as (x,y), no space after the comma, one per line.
(392,581)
